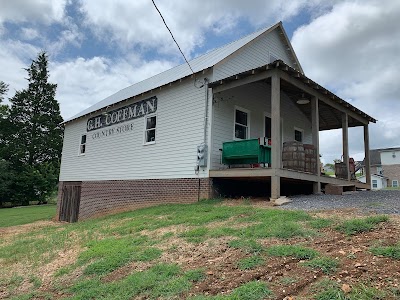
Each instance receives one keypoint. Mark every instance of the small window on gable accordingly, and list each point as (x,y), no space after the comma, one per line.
(241,124)
(82,145)
(395,183)
(374,183)
(298,135)
(150,132)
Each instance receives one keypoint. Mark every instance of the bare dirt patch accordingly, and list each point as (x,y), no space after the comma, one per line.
(6,232)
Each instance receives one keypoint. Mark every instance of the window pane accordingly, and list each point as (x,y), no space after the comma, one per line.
(83,149)
(240,132)
(298,135)
(151,123)
(268,127)
(83,139)
(241,117)
(150,135)
(395,183)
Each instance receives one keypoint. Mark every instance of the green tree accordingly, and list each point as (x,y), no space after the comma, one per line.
(6,174)
(3,108)
(33,137)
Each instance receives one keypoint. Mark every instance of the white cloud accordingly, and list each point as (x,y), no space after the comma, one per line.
(135,23)
(28,34)
(83,82)
(42,11)
(14,57)
(353,50)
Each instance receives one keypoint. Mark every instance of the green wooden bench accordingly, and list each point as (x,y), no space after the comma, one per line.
(245,152)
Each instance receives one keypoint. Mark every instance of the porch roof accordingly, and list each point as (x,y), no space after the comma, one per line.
(330,119)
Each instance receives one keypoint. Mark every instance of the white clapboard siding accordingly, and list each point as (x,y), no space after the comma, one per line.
(256,98)
(180,123)
(254,54)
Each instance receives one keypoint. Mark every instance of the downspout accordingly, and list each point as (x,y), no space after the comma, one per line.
(205,110)
(205,129)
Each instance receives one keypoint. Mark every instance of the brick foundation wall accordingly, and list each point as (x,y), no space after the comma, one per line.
(106,197)
(391,172)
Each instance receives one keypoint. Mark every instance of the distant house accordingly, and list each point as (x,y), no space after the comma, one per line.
(385,162)
(247,120)
(377,181)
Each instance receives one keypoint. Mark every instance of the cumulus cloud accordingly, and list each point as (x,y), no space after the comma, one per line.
(14,57)
(42,11)
(83,82)
(137,23)
(353,50)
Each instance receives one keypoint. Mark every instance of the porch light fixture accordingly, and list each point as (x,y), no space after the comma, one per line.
(303,100)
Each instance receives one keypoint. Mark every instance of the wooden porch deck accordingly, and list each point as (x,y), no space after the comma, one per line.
(283,173)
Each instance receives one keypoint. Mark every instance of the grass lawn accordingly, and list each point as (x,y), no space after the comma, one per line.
(206,250)
(26,214)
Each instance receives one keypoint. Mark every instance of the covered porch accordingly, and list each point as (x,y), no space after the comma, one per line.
(321,109)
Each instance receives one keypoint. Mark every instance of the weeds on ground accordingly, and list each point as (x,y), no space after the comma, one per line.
(195,235)
(389,251)
(287,280)
(162,280)
(325,264)
(250,262)
(253,290)
(356,226)
(108,254)
(330,290)
(298,252)
(247,245)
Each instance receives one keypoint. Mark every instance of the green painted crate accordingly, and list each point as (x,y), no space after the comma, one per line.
(245,152)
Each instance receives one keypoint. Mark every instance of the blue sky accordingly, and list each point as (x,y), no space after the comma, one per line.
(97,47)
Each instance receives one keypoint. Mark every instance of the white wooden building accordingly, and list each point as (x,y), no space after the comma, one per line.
(140,146)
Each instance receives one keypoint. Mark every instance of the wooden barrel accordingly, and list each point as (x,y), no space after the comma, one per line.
(310,157)
(341,170)
(293,156)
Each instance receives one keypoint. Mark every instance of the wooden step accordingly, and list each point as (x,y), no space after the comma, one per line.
(339,189)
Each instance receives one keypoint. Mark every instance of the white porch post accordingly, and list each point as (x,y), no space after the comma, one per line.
(275,135)
(345,131)
(315,140)
(367,160)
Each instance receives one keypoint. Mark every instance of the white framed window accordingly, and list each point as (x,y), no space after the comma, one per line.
(374,183)
(268,126)
(242,124)
(395,183)
(298,134)
(150,129)
(82,145)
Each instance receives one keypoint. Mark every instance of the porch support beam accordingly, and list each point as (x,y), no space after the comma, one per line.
(367,159)
(325,99)
(275,134)
(315,140)
(345,136)
(242,81)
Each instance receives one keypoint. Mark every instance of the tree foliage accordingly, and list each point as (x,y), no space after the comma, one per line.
(32,135)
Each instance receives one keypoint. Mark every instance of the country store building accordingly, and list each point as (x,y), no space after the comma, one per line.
(239,125)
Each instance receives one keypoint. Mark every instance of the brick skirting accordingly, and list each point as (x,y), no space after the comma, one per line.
(105,197)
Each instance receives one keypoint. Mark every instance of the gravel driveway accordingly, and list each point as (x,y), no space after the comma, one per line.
(381,202)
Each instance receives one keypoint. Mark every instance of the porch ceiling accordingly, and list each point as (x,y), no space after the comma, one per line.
(330,117)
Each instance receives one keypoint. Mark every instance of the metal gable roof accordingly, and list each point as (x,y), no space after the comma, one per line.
(198,64)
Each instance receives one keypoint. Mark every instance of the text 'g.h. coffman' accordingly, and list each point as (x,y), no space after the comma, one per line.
(126,113)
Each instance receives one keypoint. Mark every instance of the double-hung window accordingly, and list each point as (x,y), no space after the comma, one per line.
(298,134)
(374,183)
(242,122)
(150,131)
(82,145)
(395,183)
